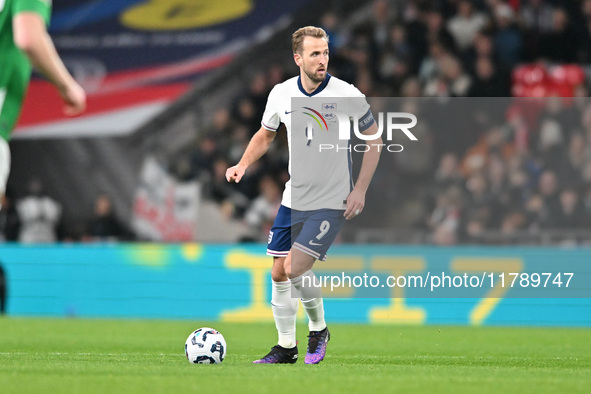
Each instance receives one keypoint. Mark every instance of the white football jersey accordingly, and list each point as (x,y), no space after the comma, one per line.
(319,178)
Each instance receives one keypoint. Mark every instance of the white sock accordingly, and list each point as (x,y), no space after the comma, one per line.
(315,310)
(311,299)
(285,309)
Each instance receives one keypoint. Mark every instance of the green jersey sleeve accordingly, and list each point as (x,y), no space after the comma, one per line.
(41,7)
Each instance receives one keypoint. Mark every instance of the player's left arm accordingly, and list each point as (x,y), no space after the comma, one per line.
(30,36)
(356,199)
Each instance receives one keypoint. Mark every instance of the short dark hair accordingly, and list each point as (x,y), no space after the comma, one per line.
(309,31)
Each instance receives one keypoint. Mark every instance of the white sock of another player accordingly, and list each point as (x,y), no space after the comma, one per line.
(311,300)
(285,309)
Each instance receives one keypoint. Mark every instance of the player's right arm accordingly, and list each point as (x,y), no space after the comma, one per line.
(259,143)
(30,36)
(257,147)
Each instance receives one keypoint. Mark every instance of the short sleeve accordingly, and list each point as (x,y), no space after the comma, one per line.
(271,118)
(41,7)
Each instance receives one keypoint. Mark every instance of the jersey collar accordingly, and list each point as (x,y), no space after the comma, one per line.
(319,89)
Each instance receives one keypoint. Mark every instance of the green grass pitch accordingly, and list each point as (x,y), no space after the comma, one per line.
(135,356)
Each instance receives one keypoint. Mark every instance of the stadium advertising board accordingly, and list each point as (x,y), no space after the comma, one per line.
(229,283)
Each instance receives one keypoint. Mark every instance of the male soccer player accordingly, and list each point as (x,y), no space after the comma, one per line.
(306,226)
(24,41)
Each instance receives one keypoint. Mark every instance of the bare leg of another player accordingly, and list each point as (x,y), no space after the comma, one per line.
(4,166)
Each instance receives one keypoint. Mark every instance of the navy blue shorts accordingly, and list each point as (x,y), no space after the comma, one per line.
(311,232)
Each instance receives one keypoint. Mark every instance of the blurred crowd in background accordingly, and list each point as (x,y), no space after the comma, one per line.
(516,175)
(37,218)
(523,173)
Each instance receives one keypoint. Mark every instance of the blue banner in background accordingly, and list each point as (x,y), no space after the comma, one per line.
(130,34)
(232,283)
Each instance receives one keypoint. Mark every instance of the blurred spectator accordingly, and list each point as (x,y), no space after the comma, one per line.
(105,226)
(445,218)
(276,74)
(9,220)
(508,41)
(430,65)
(221,125)
(258,92)
(556,109)
(247,114)
(493,141)
(496,173)
(203,157)
(438,32)
(397,58)
(39,215)
(488,82)
(381,23)
(536,20)
(548,189)
(415,16)
(481,206)
(452,81)
(517,189)
(364,81)
(457,80)
(447,176)
(536,15)
(448,173)
(536,211)
(261,213)
(584,50)
(483,48)
(464,26)
(330,23)
(237,143)
(231,199)
(550,144)
(513,221)
(553,45)
(411,87)
(575,160)
(569,213)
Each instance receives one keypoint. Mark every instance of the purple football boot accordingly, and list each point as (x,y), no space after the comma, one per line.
(279,355)
(317,341)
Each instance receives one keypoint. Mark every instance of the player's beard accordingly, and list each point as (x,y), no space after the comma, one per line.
(314,77)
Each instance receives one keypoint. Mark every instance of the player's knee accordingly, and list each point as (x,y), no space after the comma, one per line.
(278,271)
(278,277)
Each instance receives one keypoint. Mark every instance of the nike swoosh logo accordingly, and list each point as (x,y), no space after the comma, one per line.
(287,113)
(314,243)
